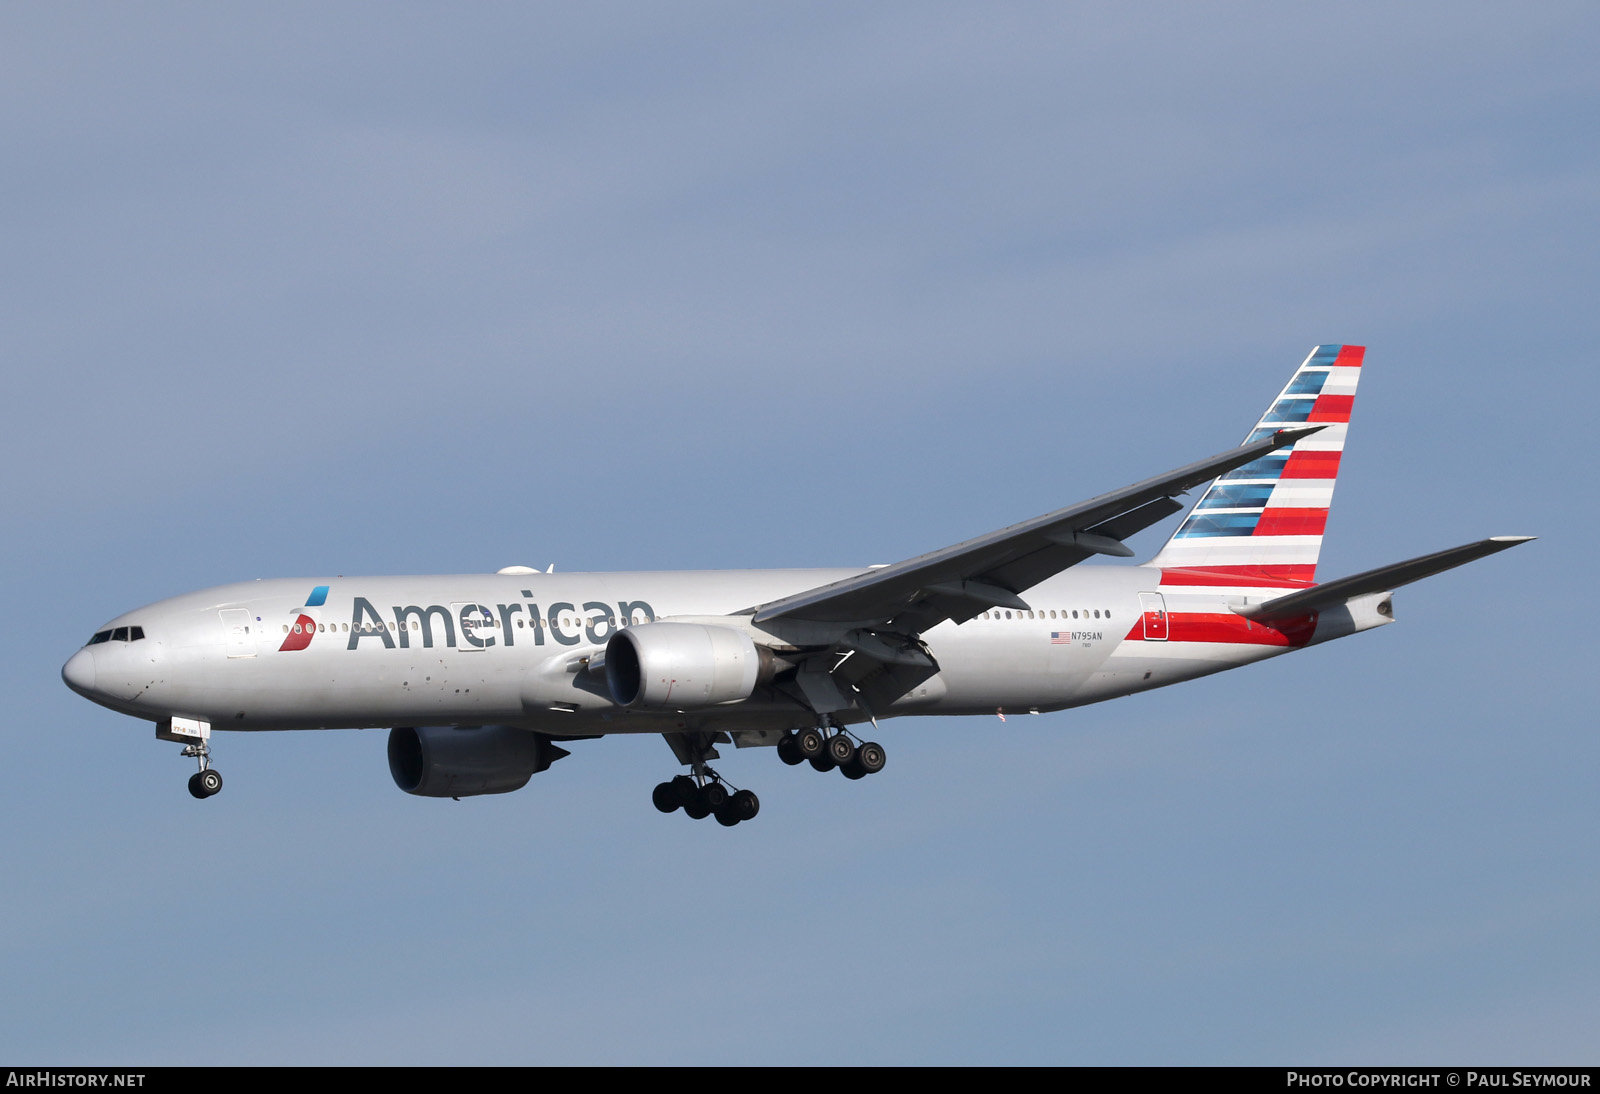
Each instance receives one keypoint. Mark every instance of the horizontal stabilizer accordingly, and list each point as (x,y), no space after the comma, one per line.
(1380,580)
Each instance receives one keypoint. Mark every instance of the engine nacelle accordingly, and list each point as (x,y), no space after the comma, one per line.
(458,762)
(683,666)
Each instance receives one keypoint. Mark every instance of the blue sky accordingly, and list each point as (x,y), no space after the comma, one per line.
(316,289)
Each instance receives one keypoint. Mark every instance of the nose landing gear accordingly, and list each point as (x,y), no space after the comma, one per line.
(208,780)
(193,734)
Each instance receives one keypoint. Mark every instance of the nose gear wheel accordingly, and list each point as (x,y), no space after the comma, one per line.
(208,780)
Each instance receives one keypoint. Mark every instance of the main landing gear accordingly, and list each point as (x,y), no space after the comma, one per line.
(703,795)
(825,751)
(208,780)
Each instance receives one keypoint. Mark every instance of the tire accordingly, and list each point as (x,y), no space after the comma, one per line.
(811,743)
(823,762)
(728,816)
(195,788)
(841,750)
(696,809)
(209,780)
(665,797)
(745,804)
(685,789)
(714,795)
(871,757)
(853,770)
(789,751)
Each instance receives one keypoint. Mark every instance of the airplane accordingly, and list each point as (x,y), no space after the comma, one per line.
(481,679)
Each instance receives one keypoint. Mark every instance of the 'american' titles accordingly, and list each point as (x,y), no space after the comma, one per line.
(481,626)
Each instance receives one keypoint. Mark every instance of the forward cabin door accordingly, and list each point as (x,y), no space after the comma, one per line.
(472,617)
(236,625)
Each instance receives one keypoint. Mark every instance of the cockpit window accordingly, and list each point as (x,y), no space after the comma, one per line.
(119,634)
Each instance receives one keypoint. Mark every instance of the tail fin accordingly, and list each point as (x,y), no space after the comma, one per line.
(1261,524)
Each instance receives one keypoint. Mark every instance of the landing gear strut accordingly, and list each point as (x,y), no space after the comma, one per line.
(208,780)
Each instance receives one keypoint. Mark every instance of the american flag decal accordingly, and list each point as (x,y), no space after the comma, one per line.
(1061,638)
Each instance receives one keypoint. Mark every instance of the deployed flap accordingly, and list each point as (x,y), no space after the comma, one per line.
(951,584)
(1380,580)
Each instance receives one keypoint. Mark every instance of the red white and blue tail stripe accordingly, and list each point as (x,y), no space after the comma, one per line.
(1262,524)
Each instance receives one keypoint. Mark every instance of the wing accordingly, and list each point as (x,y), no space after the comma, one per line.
(958,582)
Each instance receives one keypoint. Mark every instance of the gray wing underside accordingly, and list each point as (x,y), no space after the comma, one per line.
(993,570)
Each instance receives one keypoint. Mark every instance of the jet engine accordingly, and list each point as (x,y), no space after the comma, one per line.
(458,762)
(683,666)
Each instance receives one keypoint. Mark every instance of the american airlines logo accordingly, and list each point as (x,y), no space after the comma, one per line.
(469,625)
(305,626)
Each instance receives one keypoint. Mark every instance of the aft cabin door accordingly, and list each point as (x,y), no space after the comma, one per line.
(1154,606)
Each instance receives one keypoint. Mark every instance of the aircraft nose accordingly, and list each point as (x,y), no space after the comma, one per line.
(78,672)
